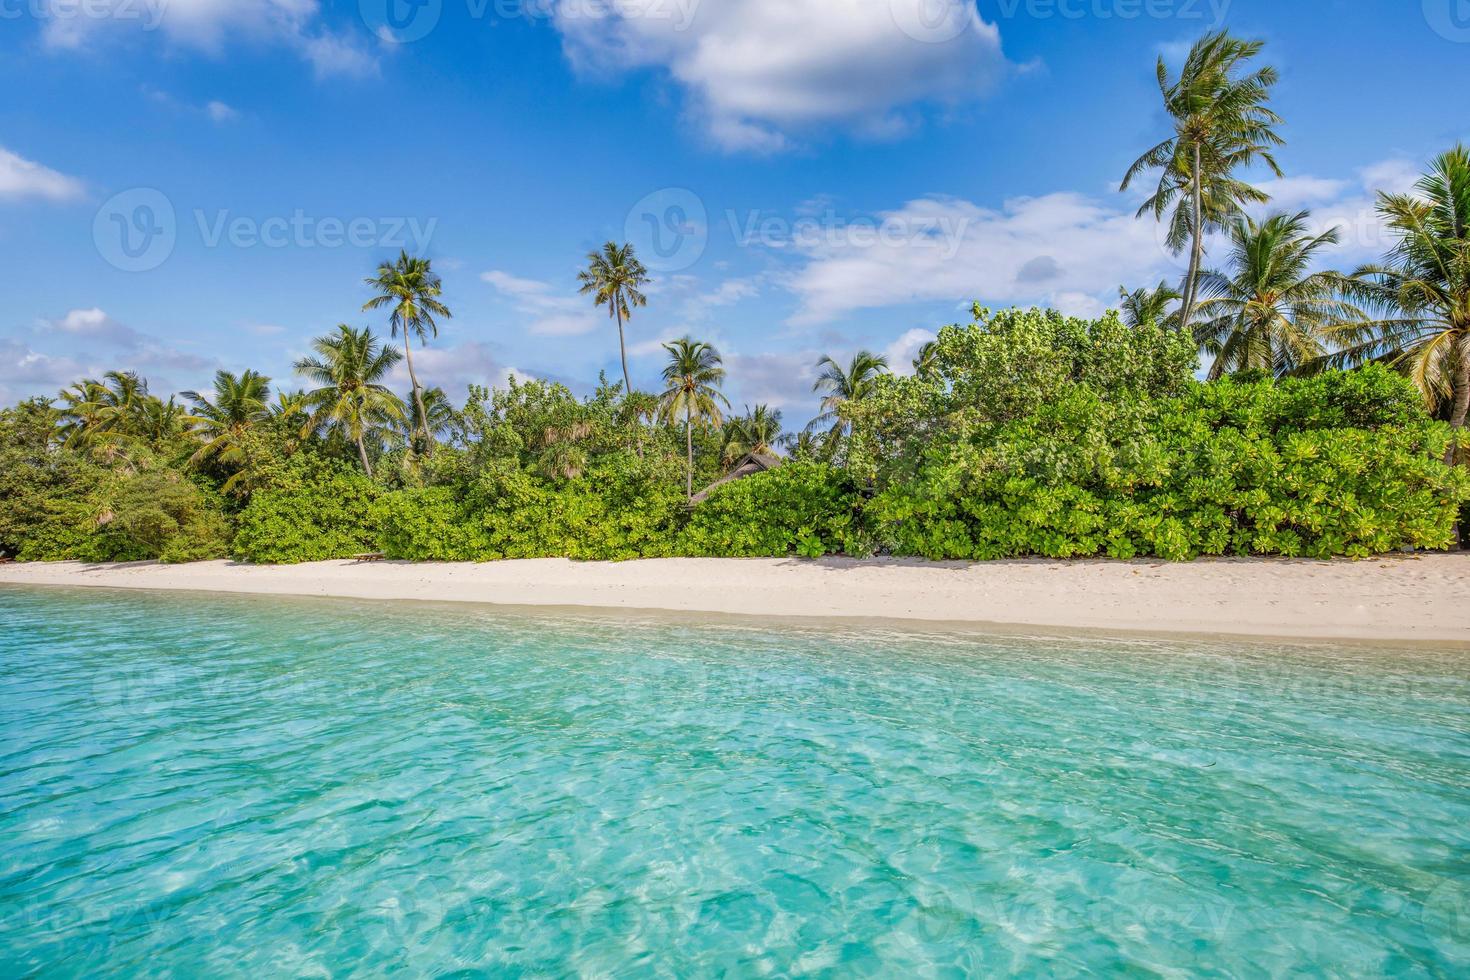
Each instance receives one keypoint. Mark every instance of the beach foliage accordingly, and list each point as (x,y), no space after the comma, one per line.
(1039,434)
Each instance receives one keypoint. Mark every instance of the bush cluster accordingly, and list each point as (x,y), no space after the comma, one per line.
(1024,433)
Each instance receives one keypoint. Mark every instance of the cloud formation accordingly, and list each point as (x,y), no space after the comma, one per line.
(22,178)
(210,26)
(759,73)
(550,314)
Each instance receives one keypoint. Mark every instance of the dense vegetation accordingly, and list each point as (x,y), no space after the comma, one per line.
(1332,419)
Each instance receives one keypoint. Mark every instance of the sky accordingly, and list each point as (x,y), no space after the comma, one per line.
(189,185)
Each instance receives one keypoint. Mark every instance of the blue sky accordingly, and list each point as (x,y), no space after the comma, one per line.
(823,175)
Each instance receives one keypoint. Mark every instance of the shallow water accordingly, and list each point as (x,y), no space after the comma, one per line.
(264,787)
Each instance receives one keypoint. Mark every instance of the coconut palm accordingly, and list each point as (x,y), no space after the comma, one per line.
(693,376)
(924,360)
(1145,305)
(221,422)
(615,278)
(101,409)
(437,419)
(159,420)
(411,290)
(1221,125)
(754,433)
(802,445)
(290,405)
(839,385)
(1270,312)
(349,366)
(1423,288)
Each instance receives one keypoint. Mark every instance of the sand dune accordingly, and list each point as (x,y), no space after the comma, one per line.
(1402,598)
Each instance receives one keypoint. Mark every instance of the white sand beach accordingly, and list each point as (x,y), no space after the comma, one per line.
(1425,598)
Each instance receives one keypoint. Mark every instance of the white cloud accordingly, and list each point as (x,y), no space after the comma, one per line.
(334,54)
(1061,249)
(901,353)
(456,368)
(758,72)
(20,178)
(550,314)
(220,112)
(94,324)
(1290,193)
(781,380)
(1396,176)
(209,26)
(25,372)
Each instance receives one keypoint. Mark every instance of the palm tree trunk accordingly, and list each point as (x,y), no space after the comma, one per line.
(689,449)
(1457,420)
(1197,249)
(1461,408)
(367,467)
(418,398)
(623,353)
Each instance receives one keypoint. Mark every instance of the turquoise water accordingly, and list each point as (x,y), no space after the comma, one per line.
(260,787)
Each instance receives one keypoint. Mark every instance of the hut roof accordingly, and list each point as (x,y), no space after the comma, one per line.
(749,465)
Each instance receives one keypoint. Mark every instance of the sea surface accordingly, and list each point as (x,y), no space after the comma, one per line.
(259,787)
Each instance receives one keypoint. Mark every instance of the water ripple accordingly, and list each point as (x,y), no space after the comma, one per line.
(259,787)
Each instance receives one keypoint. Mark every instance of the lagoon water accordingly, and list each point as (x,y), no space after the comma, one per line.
(232,786)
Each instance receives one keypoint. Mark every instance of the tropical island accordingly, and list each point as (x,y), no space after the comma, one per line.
(1266,407)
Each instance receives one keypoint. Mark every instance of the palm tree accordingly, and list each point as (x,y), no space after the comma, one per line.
(410,287)
(615,278)
(1424,286)
(222,421)
(924,360)
(802,445)
(159,420)
(438,416)
(350,366)
(1221,125)
(102,408)
(1271,313)
(839,385)
(752,434)
(693,376)
(1145,305)
(290,405)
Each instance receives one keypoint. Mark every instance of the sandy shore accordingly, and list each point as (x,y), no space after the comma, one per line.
(1411,598)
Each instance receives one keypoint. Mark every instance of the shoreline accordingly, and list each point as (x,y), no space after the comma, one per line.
(1423,598)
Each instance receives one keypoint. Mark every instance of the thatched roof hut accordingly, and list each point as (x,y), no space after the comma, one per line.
(749,465)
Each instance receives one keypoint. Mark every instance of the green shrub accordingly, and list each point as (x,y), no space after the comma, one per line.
(162,515)
(1335,465)
(810,509)
(326,516)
